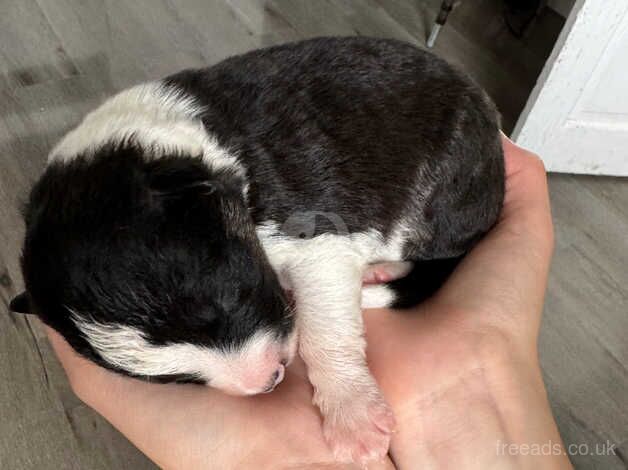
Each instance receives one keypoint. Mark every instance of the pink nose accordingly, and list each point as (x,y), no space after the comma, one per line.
(275,379)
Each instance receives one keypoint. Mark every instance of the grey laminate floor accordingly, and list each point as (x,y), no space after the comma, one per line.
(58,58)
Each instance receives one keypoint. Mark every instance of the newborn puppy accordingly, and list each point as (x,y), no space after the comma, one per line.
(168,226)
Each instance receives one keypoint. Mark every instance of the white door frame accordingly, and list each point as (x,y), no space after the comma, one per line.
(564,120)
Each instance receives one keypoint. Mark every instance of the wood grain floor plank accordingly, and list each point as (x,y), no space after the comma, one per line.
(583,340)
(29,47)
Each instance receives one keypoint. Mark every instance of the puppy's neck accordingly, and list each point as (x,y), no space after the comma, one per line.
(161,119)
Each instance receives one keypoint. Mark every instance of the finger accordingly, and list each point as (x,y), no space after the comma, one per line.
(526,199)
(147,414)
(513,155)
(76,367)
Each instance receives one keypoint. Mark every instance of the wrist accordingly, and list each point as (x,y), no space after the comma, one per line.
(529,436)
(492,415)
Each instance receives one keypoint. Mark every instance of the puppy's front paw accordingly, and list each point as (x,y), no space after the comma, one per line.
(358,429)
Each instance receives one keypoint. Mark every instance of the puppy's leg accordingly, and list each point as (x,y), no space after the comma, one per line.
(357,420)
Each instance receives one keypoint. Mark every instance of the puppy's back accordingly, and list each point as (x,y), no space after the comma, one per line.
(382,134)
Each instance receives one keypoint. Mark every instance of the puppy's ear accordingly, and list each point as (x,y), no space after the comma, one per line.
(21,303)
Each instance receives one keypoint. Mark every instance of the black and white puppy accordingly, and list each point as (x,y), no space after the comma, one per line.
(168,226)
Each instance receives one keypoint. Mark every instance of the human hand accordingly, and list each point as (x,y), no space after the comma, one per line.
(461,370)
(187,426)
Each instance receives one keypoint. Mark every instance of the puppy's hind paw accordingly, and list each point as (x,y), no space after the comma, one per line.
(381,273)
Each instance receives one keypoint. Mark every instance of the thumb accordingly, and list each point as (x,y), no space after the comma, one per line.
(506,272)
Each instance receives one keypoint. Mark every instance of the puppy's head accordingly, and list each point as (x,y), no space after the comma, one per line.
(152,268)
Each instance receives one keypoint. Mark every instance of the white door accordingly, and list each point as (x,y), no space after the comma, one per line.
(576,118)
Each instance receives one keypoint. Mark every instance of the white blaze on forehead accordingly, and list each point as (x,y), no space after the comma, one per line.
(162,119)
(126,347)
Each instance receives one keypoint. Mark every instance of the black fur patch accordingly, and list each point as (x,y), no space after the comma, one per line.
(21,303)
(121,239)
(370,130)
(426,277)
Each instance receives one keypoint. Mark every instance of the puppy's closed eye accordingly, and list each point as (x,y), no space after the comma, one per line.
(204,187)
